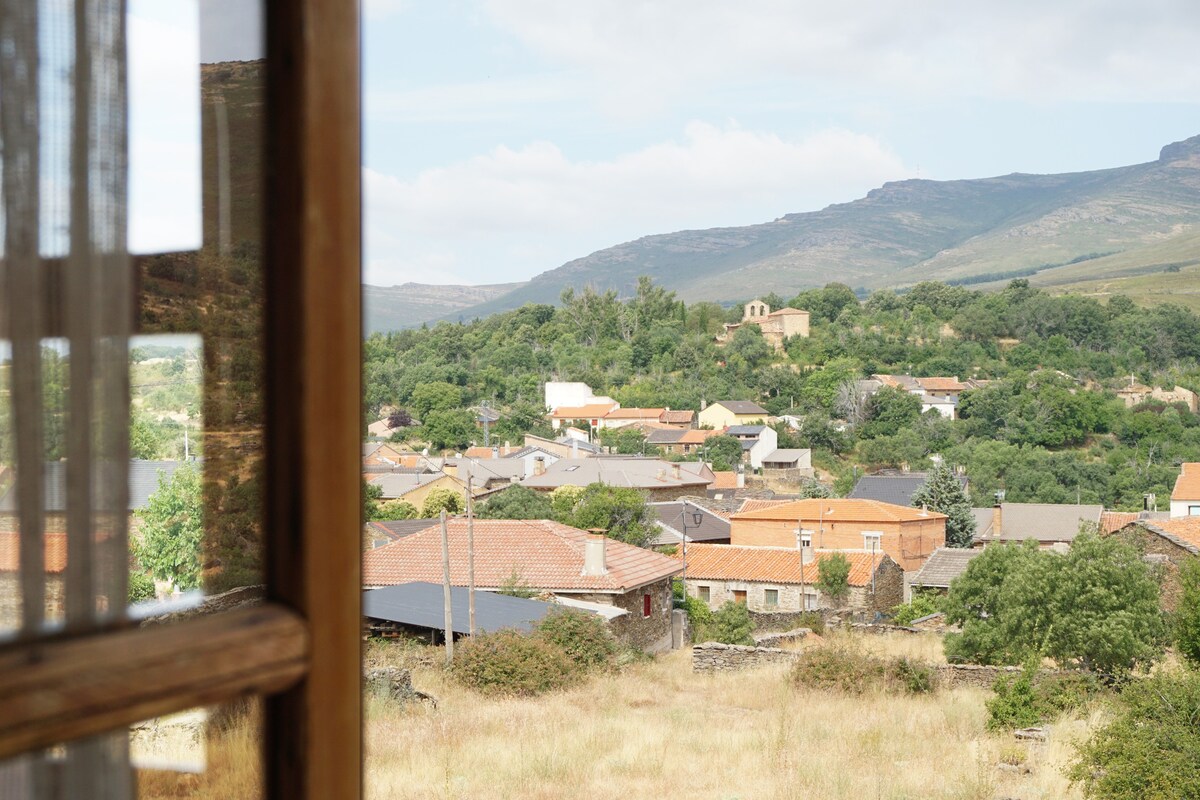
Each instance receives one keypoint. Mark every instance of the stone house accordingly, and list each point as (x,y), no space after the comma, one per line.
(783,579)
(908,535)
(1136,393)
(1168,543)
(940,570)
(10,577)
(547,557)
(727,413)
(776,326)
(1185,497)
(678,441)
(1051,524)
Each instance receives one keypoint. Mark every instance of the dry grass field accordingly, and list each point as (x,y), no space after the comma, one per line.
(657,730)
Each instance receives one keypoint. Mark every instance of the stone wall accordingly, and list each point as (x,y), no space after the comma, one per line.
(952,676)
(10,600)
(1167,572)
(776,639)
(652,633)
(715,657)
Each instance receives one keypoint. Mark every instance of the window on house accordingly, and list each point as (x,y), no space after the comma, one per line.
(872,540)
(771,597)
(704,593)
(1194,511)
(645,605)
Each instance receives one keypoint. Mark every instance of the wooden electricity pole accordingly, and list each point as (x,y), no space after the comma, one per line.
(470,560)
(449,630)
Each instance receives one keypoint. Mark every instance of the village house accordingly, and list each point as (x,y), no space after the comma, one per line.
(794,463)
(688,518)
(938,394)
(572,444)
(680,442)
(1169,544)
(379,533)
(907,535)
(415,487)
(571,393)
(590,415)
(685,418)
(661,480)
(1136,393)
(544,556)
(1050,524)
(727,413)
(1185,497)
(940,570)
(776,326)
(624,417)
(55,561)
(897,488)
(758,441)
(783,579)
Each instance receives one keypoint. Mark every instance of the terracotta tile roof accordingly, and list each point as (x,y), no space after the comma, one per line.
(545,554)
(1111,521)
(755,504)
(635,413)
(697,436)
(1185,528)
(677,417)
(724,480)
(787,312)
(56,552)
(594,411)
(771,564)
(489,452)
(838,510)
(941,384)
(1187,485)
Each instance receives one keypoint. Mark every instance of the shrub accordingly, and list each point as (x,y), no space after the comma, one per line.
(1031,698)
(1151,746)
(1187,618)
(515,586)
(813,621)
(922,605)
(439,500)
(141,587)
(850,670)
(507,662)
(731,624)
(833,577)
(584,637)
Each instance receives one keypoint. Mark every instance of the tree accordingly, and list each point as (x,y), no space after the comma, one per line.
(435,396)
(731,624)
(372,493)
(393,510)
(833,577)
(943,493)
(889,410)
(439,500)
(171,528)
(621,513)
(1187,617)
(723,452)
(449,429)
(627,440)
(516,502)
(400,418)
(1095,608)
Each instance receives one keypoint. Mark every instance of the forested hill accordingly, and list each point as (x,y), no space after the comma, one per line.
(914,230)
(1048,428)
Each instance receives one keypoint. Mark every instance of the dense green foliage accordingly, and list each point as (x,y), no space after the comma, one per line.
(1150,748)
(730,624)
(833,577)
(171,527)
(508,662)
(439,500)
(943,493)
(1096,608)
(584,637)
(1032,697)
(141,587)
(1046,429)
(515,502)
(922,605)
(851,670)
(621,513)
(1187,615)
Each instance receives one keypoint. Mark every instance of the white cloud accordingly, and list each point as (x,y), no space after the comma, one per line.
(512,213)
(1074,50)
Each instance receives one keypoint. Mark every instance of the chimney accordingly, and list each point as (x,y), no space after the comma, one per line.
(997,517)
(741,477)
(574,447)
(594,560)
(495,451)
(539,465)
(806,556)
(675,471)
(662,473)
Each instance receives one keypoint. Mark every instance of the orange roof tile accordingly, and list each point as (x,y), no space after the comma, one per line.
(838,510)
(678,417)
(544,554)
(697,436)
(1187,485)
(1111,521)
(594,411)
(772,564)
(940,384)
(488,452)
(758,505)
(635,413)
(55,555)
(724,480)
(1185,528)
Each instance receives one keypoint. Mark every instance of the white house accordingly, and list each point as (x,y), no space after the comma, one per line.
(1185,499)
(758,442)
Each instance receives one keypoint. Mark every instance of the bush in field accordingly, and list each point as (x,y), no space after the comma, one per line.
(1150,748)
(1031,698)
(811,620)
(731,624)
(922,605)
(850,670)
(141,587)
(507,662)
(584,637)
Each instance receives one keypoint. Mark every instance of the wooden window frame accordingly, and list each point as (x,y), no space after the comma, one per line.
(302,648)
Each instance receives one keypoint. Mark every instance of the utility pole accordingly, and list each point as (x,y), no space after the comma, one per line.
(470,559)
(449,628)
(487,426)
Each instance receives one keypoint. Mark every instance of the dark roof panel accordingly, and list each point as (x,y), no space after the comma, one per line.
(423,605)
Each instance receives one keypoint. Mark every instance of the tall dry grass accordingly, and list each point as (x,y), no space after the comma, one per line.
(657,729)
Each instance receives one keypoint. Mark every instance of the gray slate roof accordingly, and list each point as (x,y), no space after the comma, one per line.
(943,566)
(639,473)
(422,605)
(742,407)
(897,489)
(143,480)
(395,485)
(482,470)
(1046,522)
(787,456)
(665,435)
(670,519)
(745,430)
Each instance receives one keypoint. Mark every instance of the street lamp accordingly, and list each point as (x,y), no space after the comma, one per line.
(697,517)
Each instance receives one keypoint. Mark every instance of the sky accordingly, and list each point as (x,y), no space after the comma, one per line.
(503,138)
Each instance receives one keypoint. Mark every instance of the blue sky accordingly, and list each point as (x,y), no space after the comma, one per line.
(506,137)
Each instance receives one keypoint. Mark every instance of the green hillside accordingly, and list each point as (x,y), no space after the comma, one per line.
(1127,219)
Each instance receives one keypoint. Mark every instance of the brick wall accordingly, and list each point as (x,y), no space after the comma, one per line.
(908,543)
